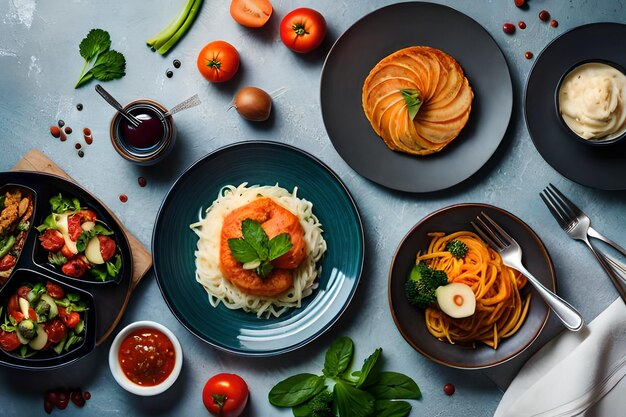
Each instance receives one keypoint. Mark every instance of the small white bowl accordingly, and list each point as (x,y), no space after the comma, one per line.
(126,383)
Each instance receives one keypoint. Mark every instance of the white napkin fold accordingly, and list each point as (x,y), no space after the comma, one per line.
(575,374)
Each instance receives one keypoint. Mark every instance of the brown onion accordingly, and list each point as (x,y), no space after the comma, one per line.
(253,104)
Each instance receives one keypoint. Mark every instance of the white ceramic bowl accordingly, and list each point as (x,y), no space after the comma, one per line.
(126,383)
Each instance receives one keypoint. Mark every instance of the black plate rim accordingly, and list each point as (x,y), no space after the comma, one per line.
(520,222)
(330,323)
(574,142)
(488,155)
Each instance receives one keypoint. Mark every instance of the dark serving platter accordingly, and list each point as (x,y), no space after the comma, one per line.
(107,297)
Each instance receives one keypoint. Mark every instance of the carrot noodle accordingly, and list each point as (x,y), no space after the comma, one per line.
(500,310)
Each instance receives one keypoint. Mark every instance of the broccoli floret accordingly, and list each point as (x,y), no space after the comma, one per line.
(322,405)
(457,248)
(421,285)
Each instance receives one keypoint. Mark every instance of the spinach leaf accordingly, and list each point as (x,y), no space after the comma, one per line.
(296,389)
(353,402)
(386,408)
(392,385)
(302,410)
(338,357)
(368,365)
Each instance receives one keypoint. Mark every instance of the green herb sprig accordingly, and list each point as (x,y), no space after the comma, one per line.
(255,250)
(365,393)
(413,101)
(107,63)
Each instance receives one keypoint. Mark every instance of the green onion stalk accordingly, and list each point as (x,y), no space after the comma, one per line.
(163,41)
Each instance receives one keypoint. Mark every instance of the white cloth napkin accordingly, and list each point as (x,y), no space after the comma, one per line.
(576,374)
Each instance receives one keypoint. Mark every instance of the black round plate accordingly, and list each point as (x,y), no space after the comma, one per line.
(602,167)
(410,320)
(383,32)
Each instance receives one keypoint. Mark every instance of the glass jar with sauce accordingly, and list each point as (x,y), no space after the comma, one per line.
(151,141)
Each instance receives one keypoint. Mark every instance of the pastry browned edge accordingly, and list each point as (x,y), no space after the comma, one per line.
(443,88)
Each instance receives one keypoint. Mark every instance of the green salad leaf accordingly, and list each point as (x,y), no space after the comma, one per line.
(107,64)
(413,101)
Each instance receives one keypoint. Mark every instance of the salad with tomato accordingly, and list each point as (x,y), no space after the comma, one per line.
(42,317)
(77,242)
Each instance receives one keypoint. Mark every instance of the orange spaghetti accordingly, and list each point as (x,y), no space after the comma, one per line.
(500,310)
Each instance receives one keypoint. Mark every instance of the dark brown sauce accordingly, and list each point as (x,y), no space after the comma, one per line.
(149,133)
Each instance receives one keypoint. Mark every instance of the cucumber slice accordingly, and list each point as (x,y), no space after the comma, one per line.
(79,327)
(39,341)
(54,310)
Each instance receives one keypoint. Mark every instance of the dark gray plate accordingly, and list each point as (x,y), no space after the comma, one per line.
(410,320)
(383,32)
(602,167)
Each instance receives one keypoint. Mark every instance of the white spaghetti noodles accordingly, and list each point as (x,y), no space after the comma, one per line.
(208,229)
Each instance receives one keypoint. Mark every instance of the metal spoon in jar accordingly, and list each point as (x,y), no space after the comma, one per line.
(113,102)
(192,101)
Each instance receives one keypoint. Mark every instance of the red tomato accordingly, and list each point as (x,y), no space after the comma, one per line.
(65,251)
(218,61)
(56,330)
(303,30)
(52,240)
(225,395)
(107,247)
(73,226)
(71,319)
(251,13)
(17,315)
(54,290)
(32,314)
(75,267)
(9,341)
(23,291)
(7,262)
(13,304)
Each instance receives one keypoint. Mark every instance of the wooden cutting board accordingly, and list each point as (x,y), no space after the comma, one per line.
(36,161)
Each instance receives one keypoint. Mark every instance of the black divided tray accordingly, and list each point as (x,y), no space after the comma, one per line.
(104,298)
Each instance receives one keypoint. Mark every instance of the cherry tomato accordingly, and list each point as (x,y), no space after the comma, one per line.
(32,314)
(9,341)
(23,291)
(54,290)
(56,330)
(225,395)
(302,30)
(107,247)
(17,315)
(251,13)
(65,251)
(218,61)
(71,319)
(73,226)
(52,240)
(75,267)
(13,304)
(7,262)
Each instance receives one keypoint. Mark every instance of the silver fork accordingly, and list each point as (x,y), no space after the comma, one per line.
(511,254)
(577,225)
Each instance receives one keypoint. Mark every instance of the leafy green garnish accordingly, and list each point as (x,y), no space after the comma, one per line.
(107,63)
(83,239)
(457,248)
(257,249)
(412,100)
(57,259)
(113,268)
(368,392)
(48,223)
(60,204)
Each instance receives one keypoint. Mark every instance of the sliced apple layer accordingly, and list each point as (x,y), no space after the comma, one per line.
(442,87)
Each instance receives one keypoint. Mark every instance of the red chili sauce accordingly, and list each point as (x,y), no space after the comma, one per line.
(147,357)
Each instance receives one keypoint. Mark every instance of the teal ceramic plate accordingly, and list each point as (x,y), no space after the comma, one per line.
(174,243)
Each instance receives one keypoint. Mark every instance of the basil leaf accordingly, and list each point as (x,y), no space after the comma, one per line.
(98,273)
(386,408)
(412,100)
(302,410)
(114,268)
(83,239)
(296,390)
(60,204)
(264,269)
(353,402)
(279,245)
(338,356)
(392,385)
(366,369)
(48,223)
(242,250)
(254,234)
(100,229)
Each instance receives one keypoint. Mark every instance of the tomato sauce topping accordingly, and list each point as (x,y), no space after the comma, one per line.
(147,357)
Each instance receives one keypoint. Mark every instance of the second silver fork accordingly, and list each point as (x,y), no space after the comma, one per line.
(511,254)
